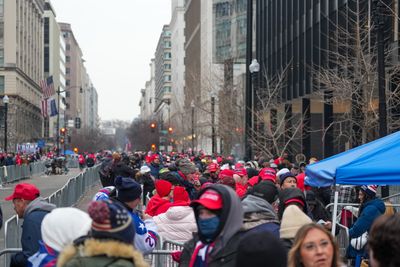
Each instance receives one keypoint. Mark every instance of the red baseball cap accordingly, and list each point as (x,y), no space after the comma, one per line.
(210,199)
(241,172)
(213,167)
(24,191)
(226,172)
(268,174)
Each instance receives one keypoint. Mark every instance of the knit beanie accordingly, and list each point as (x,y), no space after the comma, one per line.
(186,167)
(62,226)
(261,249)
(370,190)
(127,189)
(292,220)
(286,175)
(282,171)
(111,221)
(265,190)
(163,188)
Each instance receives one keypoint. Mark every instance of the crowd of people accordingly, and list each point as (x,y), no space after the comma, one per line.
(225,212)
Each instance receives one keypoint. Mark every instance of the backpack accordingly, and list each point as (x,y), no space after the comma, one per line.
(105,170)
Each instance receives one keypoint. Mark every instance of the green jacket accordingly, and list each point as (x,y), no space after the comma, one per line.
(99,253)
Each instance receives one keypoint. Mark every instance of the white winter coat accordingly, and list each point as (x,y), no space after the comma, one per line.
(177,224)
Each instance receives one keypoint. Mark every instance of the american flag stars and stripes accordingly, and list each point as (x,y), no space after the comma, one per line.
(47,86)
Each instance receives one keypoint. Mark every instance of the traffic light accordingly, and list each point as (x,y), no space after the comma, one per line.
(76,150)
(153,147)
(153,127)
(63,131)
(77,123)
(170,130)
(62,141)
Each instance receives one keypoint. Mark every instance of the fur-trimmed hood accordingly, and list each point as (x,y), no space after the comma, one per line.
(108,248)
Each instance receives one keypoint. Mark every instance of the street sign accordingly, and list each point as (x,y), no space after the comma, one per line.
(70,123)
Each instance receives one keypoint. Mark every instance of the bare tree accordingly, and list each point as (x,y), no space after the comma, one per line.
(142,136)
(350,79)
(91,140)
(277,128)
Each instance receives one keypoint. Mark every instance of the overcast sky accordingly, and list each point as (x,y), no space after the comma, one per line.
(118,38)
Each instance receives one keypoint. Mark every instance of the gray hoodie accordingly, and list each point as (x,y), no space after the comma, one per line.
(39,204)
(257,211)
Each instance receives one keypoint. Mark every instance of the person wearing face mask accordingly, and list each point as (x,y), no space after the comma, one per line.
(219,217)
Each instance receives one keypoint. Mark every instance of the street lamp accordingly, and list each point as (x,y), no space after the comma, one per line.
(254,68)
(6,100)
(380,21)
(213,141)
(192,106)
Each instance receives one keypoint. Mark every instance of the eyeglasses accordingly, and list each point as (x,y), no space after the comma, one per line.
(313,246)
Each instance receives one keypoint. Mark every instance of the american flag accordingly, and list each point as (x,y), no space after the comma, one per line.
(47,86)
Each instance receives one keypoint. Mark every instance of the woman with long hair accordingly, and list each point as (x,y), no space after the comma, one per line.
(314,246)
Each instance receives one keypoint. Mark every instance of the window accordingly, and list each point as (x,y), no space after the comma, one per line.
(1,56)
(67,82)
(223,9)
(46,31)
(67,94)
(167,89)
(167,55)
(67,70)
(67,59)
(167,78)
(167,44)
(1,84)
(67,47)
(46,59)
(167,66)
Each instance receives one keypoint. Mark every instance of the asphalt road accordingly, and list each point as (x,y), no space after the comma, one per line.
(46,184)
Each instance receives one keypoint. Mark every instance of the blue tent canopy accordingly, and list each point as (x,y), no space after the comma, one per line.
(376,162)
(69,152)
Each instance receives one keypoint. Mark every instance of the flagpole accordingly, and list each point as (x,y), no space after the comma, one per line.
(58,121)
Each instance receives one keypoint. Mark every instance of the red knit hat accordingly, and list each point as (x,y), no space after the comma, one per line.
(163,188)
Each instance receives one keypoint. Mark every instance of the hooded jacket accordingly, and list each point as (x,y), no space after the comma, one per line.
(224,251)
(369,211)
(259,216)
(290,193)
(177,224)
(31,233)
(157,205)
(99,253)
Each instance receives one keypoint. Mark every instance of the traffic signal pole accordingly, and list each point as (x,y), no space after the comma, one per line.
(58,122)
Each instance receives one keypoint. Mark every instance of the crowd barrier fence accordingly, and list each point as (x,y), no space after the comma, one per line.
(13,173)
(161,256)
(66,196)
(342,238)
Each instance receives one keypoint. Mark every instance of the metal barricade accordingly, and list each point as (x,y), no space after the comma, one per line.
(72,163)
(66,196)
(161,256)
(342,239)
(12,237)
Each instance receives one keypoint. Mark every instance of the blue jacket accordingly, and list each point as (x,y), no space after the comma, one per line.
(155,170)
(369,211)
(31,233)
